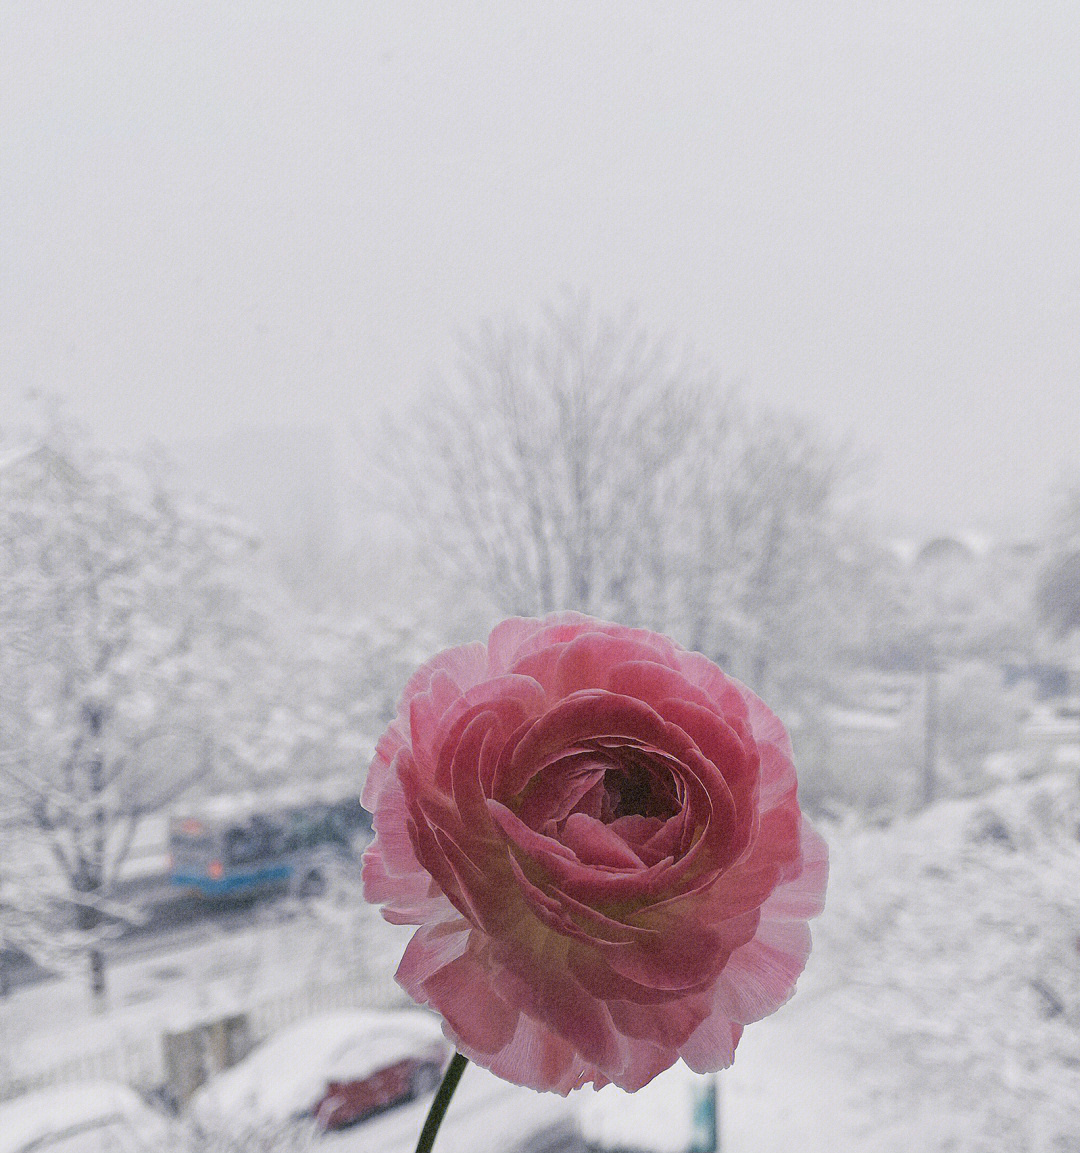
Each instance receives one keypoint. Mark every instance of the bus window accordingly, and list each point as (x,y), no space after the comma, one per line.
(237,845)
(292,832)
(254,841)
(191,834)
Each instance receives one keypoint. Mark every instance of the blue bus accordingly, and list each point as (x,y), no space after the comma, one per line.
(232,848)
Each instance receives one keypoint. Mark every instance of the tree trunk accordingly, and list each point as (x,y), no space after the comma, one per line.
(93,873)
(97,976)
(87,919)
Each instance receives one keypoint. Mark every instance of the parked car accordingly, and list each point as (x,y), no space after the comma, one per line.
(84,1117)
(486,1115)
(336,1068)
(367,1078)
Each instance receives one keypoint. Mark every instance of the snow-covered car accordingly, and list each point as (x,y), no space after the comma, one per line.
(85,1117)
(363,1081)
(335,1068)
(486,1115)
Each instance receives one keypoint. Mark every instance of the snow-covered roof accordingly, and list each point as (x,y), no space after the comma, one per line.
(970,544)
(55,462)
(11,456)
(238,806)
(904,550)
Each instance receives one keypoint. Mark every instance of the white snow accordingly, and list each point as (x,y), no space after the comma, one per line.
(68,1110)
(788,1088)
(657,1118)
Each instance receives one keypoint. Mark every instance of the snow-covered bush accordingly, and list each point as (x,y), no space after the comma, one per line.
(954,943)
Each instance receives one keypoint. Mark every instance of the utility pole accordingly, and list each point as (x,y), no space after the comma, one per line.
(706,1116)
(930,721)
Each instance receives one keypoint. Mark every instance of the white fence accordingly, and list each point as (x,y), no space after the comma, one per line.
(132,1062)
(139,1062)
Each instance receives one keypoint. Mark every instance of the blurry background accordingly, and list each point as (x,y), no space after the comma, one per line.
(334,333)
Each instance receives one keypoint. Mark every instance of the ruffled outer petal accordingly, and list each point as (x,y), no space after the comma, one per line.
(598,836)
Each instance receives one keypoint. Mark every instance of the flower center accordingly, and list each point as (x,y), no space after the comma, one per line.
(636,786)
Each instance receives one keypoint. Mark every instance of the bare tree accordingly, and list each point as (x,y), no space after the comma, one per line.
(541,477)
(797,549)
(577,464)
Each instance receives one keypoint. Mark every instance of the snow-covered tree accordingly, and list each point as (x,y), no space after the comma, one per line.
(133,647)
(576,464)
(346,678)
(538,478)
(31,904)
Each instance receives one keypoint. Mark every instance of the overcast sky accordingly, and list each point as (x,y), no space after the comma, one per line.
(253,212)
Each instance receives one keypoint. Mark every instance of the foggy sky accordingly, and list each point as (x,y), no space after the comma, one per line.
(216,214)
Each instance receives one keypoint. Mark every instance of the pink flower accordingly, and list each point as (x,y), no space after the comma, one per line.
(598,835)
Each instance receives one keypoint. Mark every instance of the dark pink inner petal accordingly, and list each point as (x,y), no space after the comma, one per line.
(595,843)
(637,830)
(558,791)
(583,720)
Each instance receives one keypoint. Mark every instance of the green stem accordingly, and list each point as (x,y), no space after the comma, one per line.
(442,1099)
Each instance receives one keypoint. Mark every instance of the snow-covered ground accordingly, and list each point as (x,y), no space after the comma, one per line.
(940,1009)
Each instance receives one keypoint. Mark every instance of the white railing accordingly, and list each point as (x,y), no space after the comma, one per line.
(139,1063)
(132,1062)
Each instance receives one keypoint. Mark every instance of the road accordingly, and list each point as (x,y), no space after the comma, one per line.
(173,922)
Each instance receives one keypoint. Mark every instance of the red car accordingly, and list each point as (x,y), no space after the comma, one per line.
(355,1089)
(337,1067)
